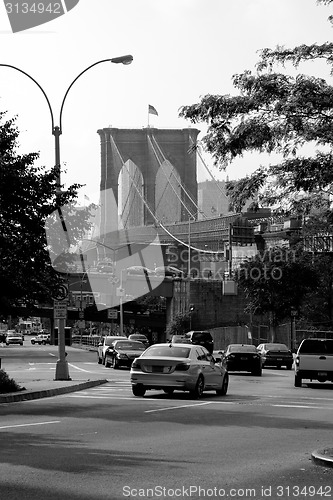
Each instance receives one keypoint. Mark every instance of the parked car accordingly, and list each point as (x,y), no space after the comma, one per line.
(41,339)
(183,367)
(242,357)
(274,354)
(104,344)
(105,266)
(198,337)
(139,270)
(314,361)
(13,337)
(169,271)
(123,352)
(140,337)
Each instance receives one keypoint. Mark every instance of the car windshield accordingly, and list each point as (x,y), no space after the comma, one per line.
(129,345)
(168,351)
(242,348)
(276,347)
(316,346)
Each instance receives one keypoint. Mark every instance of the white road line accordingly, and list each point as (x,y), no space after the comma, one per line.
(29,425)
(305,406)
(176,407)
(77,368)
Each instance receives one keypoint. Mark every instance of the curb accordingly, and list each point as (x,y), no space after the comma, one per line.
(323,457)
(27,396)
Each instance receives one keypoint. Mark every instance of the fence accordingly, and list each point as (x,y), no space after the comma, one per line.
(223,336)
(86,340)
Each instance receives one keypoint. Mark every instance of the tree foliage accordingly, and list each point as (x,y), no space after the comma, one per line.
(27,198)
(280,113)
(276,281)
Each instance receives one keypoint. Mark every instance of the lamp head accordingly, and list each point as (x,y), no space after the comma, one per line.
(122,59)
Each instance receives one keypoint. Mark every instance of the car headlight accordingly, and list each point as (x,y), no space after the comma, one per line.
(121,356)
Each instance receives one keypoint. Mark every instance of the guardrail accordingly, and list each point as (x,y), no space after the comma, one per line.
(86,340)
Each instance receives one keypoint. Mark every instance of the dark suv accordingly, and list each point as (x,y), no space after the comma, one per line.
(199,337)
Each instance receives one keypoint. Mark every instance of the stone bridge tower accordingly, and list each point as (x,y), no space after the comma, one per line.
(156,155)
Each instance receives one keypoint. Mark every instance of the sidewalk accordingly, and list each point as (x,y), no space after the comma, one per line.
(38,385)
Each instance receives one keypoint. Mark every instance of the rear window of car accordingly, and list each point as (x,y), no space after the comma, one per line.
(242,348)
(276,347)
(201,337)
(168,351)
(110,340)
(316,346)
(129,345)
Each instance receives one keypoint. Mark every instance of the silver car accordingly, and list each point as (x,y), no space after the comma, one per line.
(183,367)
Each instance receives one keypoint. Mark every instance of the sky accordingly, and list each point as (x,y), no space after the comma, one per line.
(182,50)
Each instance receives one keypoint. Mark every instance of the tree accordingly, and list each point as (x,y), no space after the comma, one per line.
(179,324)
(276,281)
(275,112)
(27,198)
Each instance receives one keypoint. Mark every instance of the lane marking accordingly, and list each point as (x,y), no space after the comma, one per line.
(29,425)
(304,406)
(77,368)
(176,407)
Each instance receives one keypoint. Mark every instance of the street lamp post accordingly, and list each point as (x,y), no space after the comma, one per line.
(62,365)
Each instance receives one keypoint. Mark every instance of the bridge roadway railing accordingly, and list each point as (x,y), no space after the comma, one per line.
(214,229)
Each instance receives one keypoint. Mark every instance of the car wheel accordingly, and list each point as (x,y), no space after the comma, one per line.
(168,390)
(107,363)
(224,388)
(43,342)
(196,393)
(33,342)
(257,373)
(289,366)
(298,381)
(138,390)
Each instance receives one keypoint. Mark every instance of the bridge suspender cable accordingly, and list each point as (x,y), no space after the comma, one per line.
(157,222)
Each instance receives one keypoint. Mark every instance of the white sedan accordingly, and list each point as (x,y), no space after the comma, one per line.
(183,367)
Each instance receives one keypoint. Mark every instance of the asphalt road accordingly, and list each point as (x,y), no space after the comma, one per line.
(104,443)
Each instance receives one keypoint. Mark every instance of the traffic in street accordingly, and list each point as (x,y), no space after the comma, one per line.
(105,443)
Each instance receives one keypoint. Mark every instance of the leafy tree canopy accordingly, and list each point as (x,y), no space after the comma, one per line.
(275,112)
(276,281)
(27,198)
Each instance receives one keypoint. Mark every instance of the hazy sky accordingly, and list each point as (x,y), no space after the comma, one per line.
(182,49)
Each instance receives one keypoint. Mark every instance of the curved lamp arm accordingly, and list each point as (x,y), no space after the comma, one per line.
(122,60)
(41,88)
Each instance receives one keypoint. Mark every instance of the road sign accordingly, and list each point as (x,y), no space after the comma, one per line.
(60,309)
(61,293)
(112,314)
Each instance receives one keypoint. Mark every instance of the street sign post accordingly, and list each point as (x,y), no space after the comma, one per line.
(60,309)
(61,293)
(112,314)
